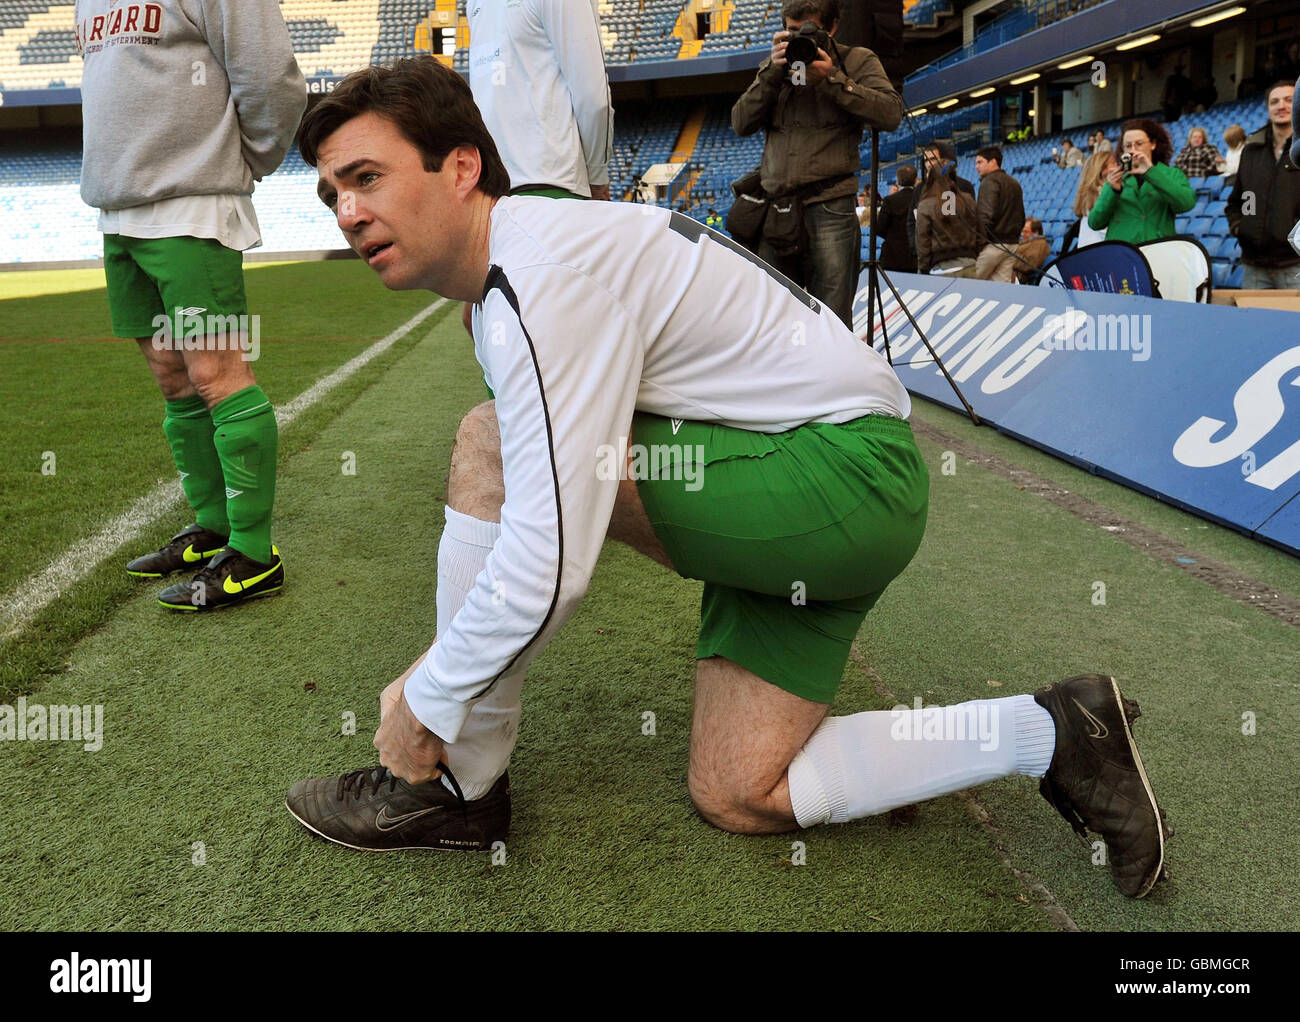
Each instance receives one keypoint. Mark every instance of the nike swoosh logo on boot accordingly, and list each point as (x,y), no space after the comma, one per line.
(234,587)
(385,822)
(1099,729)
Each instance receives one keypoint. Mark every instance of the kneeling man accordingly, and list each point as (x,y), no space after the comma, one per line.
(771,458)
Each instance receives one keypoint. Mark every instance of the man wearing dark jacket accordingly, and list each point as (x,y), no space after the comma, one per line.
(892,227)
(1001,216)
(813,115)
(1265,202)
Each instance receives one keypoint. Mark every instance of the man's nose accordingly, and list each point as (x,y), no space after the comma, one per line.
(351,214)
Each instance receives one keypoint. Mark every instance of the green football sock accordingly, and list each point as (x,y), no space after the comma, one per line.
(246,438)
(188,428)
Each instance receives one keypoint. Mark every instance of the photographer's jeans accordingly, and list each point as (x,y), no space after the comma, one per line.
(829,269)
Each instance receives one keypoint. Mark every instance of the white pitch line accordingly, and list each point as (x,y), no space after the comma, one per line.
(34,595)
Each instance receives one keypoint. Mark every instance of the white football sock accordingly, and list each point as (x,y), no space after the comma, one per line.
(481,753)
(872,762)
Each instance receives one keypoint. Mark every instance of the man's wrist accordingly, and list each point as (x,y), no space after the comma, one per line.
(438,712)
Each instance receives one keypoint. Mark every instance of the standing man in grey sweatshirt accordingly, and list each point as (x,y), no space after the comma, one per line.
(185,105)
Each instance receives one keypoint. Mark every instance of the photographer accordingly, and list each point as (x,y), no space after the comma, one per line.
(813,112)
(1144,194)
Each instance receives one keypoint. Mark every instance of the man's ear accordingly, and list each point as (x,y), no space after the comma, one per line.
(469,167)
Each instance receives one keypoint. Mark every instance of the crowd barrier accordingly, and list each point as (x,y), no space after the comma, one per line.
(1197,405)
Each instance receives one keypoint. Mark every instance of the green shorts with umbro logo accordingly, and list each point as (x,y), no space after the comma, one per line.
(795,535)
(151,277)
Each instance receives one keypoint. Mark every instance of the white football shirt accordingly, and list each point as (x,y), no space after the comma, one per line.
(594,310)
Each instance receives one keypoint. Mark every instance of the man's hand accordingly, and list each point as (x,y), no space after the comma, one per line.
(778,48)
(409,749)
(820,68)
(600,192)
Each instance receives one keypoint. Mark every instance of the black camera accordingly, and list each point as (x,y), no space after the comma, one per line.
(803,43)
(1126,163)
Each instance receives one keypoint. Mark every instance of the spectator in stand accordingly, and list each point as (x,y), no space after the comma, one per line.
(1001,212)
(936,154)
(1235,139)
(895,215)
(947,226)
(1103,144)
(1091,182)
(1269,177)
(1032,252)
(1069,156)
(1140,205)
(1178,94)
(1199,157)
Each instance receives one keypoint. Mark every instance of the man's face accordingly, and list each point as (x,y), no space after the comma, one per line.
(404,221)
(983,166)
(793,23)
(1026,232)
(1279,106)
(931,157)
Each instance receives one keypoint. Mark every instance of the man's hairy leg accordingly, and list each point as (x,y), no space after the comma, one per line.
(476,485)
(744,734)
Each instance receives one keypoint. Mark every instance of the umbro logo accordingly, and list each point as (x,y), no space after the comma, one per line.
(232,494)
(193,310)
(1099,730)
(676,424)
(386,822)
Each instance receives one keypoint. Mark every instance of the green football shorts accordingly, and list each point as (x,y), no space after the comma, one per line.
(795,535)
(151,277)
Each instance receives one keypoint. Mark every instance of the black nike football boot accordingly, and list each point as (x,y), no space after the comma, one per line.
(188,550)
(373,811)
(1097,782)
(230,577)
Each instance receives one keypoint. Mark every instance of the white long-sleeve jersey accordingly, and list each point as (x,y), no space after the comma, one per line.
(537,71)
(594,310)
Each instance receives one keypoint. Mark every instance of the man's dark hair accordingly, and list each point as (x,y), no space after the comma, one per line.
(906,176)
(1159,137)
(431,105)
(1066,141)
(992,152)
(1280,84)
(1036,225)
(826,11)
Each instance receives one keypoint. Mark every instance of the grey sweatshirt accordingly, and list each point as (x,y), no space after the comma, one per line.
(183,97)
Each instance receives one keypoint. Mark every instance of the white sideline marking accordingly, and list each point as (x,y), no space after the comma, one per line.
(34,595)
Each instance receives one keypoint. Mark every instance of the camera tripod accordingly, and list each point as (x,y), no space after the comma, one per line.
(875,300)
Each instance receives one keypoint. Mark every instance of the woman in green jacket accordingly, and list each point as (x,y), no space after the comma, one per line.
(1140,205)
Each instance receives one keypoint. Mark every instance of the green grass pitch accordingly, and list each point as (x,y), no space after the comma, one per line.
(177,822)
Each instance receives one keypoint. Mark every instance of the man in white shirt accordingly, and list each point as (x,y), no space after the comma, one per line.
(537,71)
(657,384)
